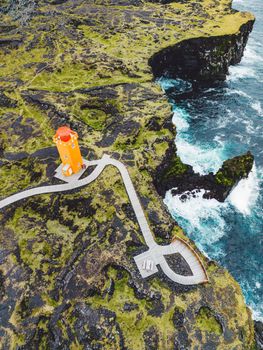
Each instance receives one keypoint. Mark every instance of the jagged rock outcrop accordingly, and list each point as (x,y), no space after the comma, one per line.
(232,171)
(173,173)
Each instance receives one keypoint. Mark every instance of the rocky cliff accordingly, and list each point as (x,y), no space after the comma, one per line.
(172,173)
(202,59)
(67,275)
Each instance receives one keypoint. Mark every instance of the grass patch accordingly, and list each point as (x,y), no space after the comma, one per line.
(207,322)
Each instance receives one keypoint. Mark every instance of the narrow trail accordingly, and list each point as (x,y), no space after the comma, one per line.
(146,262)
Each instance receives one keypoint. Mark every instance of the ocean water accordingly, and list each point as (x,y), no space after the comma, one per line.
(216,124)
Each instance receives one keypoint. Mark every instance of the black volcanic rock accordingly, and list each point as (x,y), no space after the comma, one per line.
(67,271)
(182,179)
(6,101)
(201,59)
(258,335)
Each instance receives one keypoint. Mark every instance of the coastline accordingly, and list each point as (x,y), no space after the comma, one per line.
(42,95)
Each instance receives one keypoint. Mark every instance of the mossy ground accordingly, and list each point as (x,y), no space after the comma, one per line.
(86,64)
(234,169)
(207,322)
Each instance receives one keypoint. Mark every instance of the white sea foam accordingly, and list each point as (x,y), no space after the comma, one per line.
(196,213)
(237,92)
(257,315)
(239,72)
(180,120)
(244,69)
(219,140)
(257,107)
(202,158)
(258,285)
(251,56)
(250,127)
(204,219)
(178,85)
(256,307)
(166,83)
(245,194)
(210,90)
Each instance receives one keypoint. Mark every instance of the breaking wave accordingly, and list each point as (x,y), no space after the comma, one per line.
(239,72)
(220,123)
(244,196)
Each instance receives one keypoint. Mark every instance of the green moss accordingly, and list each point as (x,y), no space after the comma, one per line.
(20,175)
(33,256)
(17,60)
(207,322)
(234,169)
(135,322)
(38,249)
(95,78)
(79,75)
(223,179)
(161,148)
(103,214)
(18,341)
(39,131)
(176,167)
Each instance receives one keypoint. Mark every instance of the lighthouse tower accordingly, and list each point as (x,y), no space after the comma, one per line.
(68,148)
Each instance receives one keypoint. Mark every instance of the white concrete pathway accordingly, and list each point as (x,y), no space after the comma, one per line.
(146,262)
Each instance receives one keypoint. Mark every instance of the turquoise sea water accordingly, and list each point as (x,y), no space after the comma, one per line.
(216,124)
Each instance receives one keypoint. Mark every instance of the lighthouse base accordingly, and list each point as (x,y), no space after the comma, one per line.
(72,178)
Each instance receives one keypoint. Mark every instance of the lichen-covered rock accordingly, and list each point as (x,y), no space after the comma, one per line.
(172,173)
(6,101)
(234,170)
(68,278)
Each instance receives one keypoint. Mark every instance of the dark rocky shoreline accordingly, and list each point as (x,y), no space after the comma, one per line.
(201,62)
(216,186)
(66,261)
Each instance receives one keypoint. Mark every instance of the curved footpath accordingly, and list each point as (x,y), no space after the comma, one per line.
(146,262)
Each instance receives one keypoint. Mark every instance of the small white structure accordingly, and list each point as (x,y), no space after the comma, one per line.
(74,177)
(147,265)
(67,169)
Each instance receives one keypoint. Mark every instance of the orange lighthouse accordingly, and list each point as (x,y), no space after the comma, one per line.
(68,148)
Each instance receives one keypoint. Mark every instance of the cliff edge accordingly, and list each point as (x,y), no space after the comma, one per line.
(67,275)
